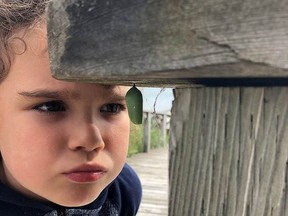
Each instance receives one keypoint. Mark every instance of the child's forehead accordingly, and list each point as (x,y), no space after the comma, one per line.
(32,42)
(32,38)
(113,90)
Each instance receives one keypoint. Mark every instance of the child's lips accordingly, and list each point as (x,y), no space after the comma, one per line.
(86,173)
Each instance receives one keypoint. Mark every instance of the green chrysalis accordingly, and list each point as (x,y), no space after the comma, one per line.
(134,102)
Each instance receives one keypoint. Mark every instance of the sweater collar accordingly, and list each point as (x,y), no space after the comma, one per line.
(11,196)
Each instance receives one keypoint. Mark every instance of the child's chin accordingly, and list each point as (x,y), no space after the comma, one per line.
(78,201)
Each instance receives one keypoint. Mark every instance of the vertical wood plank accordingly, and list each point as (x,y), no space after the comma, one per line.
(164,129)
(229,152)
(147,132)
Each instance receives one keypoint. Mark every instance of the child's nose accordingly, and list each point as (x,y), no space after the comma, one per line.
(86,137)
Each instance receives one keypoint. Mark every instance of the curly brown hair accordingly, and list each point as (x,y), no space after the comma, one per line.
(16,15)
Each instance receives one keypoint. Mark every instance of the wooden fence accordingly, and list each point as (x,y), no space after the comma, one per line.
(226,59)
(162,121)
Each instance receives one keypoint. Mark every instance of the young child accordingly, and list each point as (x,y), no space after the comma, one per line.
(63,145)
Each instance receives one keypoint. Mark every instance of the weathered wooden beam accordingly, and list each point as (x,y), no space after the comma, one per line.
(160,42)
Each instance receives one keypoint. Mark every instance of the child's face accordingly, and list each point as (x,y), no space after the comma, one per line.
(60,141)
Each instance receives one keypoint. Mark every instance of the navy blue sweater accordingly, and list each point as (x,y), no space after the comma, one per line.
(122,197)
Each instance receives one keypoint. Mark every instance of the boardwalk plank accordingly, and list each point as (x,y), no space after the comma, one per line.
(152,169)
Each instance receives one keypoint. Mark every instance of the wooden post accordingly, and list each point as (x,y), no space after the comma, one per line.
(147,131)
(229,150)
(164,129)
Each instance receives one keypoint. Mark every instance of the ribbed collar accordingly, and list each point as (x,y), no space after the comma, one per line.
(11,196)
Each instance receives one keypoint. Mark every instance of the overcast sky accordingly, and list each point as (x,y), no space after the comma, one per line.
(164,100)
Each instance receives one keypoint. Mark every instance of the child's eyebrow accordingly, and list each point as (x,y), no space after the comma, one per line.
(47,94)
(115,96)
(66,94)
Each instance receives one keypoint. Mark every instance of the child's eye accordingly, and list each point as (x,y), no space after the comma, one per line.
(112,108)
(51,106)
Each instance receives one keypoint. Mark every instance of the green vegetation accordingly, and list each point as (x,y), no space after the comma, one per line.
(136,137)
(156,136)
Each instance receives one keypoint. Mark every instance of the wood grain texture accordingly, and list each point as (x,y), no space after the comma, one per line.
(167,42)
(152,169)
(229,152)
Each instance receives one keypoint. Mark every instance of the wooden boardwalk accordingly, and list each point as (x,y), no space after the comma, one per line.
(152,169)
